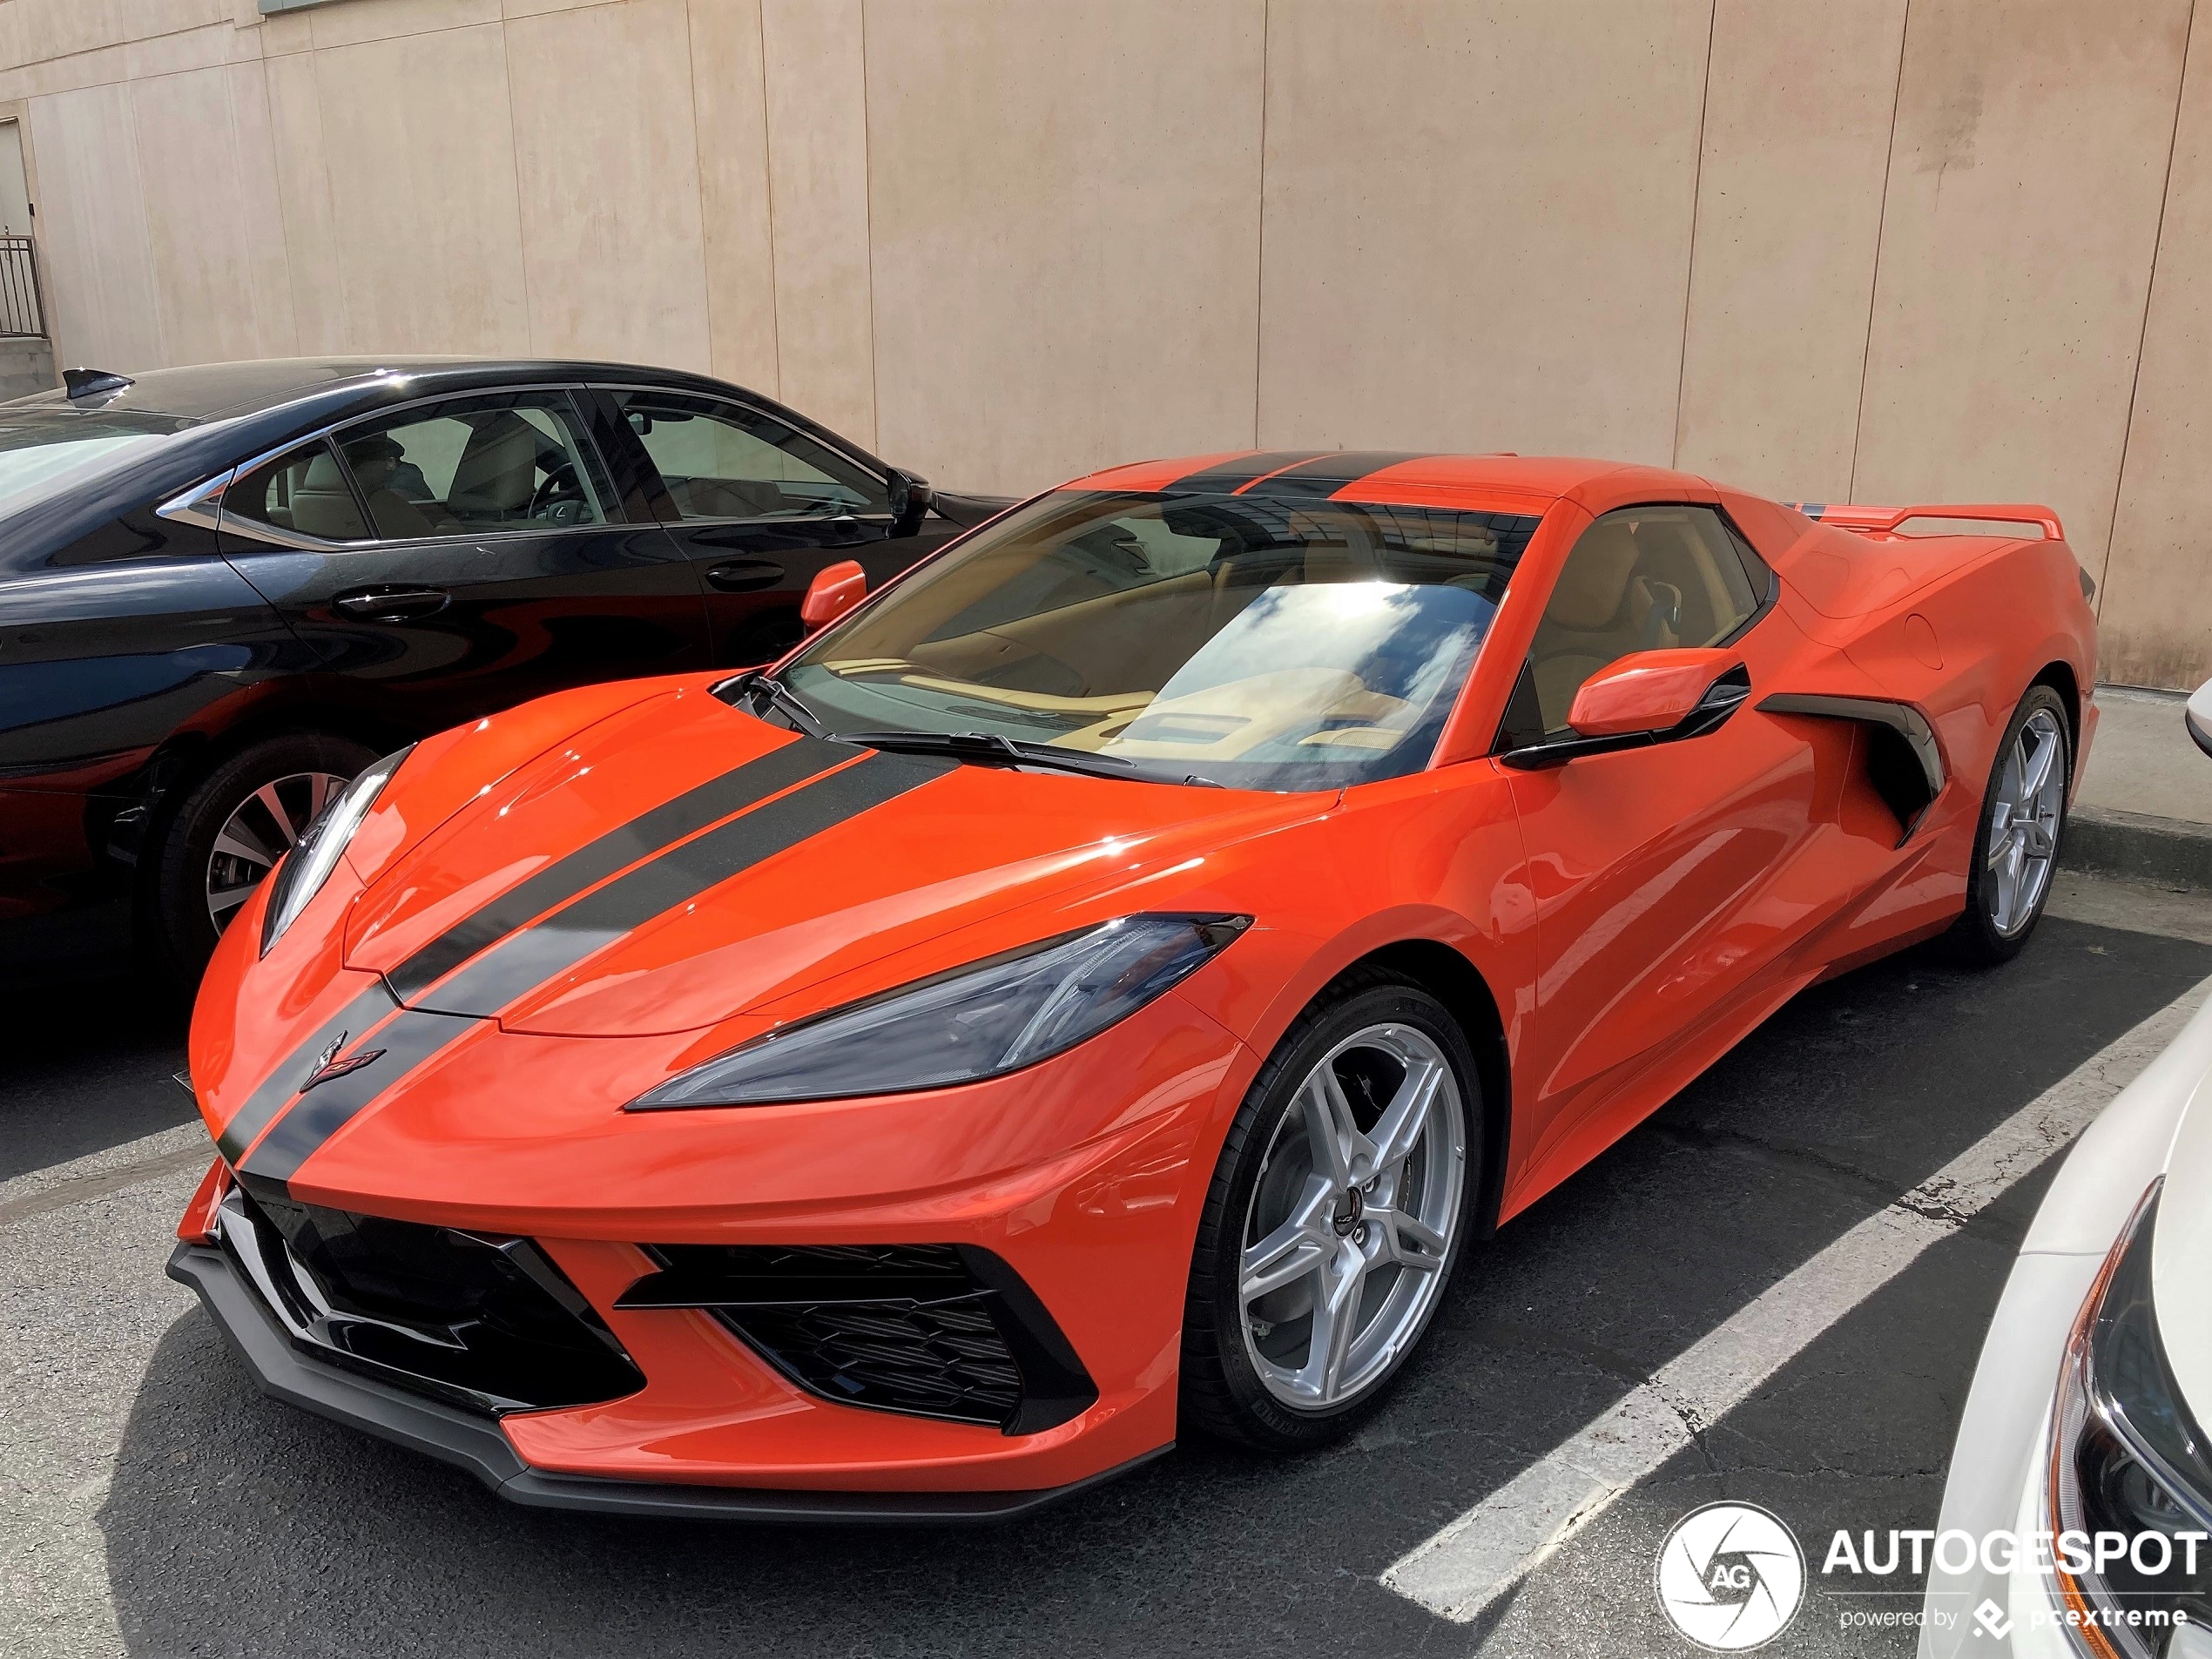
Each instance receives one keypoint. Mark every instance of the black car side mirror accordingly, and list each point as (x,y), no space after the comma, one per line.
(910,499)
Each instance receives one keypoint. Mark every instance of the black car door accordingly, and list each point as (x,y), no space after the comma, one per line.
(758,507)
(450,558)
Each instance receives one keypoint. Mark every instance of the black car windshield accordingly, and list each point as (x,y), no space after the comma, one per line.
(1255,641)
(48,450)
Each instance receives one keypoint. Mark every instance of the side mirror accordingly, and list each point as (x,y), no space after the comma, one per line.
(1646,696)
(835,591)
(910,499)
(1646,690)
(2198,716)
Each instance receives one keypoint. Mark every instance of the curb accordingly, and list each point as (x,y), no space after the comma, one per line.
(2169,851)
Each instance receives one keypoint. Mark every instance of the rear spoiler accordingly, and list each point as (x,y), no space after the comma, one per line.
(1883,521)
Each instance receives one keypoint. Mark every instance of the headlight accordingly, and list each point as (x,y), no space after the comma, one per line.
(301,872)
(990,1017)
(2130,1476)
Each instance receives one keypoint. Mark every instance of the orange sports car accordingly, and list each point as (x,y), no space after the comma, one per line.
(1100,984)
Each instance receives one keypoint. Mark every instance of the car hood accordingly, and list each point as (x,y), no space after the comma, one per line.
(2181,1252)
(680,863)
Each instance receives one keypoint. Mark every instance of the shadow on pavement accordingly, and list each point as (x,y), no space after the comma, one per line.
(87,1065)
(234,1524)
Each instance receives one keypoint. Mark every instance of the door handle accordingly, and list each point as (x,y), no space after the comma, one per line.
(393,604)
(743,576)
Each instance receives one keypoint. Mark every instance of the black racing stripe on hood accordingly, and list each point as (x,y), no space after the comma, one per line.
(524,960)
(283,1082)
(642,837)
(1323,477)
(409,1039)
(1232,475)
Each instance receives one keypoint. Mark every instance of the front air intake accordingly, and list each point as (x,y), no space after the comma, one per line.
(946,1331)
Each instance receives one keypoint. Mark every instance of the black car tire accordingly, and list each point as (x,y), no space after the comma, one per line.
(183,928)
(1221,1392)
(1975,938)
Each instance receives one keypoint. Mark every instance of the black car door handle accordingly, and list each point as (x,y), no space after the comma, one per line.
(393,604)
(743,576)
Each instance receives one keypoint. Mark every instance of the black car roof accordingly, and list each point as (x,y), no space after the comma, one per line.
(209,391)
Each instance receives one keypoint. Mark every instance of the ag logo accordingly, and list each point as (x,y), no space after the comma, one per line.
(1729,1577)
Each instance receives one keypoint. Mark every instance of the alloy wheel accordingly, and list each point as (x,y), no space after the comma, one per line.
(2023,832)
(1353,1218)
(260,830)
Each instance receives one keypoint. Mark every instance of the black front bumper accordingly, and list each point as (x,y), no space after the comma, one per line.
(474,1442)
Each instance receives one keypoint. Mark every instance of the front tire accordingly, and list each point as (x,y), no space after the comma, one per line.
(2016,845)
(233,826)
(1335,1218)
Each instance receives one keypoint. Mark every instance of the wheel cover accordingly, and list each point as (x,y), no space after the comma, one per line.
(1353,1218)
(260,830)
(2023,812)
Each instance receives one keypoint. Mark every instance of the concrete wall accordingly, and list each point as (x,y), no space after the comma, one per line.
(26,366)
(1865,249)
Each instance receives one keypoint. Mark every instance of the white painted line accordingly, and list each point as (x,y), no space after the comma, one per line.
(1464,1569)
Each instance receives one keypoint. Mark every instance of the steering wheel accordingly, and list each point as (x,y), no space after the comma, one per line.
(562,488)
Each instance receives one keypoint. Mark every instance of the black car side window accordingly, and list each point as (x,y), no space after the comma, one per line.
(723,460)
(303,492)
(504,461)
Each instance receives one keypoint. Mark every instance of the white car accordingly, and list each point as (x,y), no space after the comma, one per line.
(2082,1452)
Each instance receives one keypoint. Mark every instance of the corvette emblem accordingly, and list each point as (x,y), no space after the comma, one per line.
(328,1065)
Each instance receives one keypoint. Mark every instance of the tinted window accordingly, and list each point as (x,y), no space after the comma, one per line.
(1251,641)
(721,461)
(1644,578)
(503,462)
(43,451)
(304,492)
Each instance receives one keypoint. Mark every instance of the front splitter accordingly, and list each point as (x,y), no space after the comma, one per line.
(475,1443)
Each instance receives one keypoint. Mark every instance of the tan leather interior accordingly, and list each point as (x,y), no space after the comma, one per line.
(1595,580)
(322,503)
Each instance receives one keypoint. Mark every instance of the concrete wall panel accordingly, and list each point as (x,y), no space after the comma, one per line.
(2025,181)
(1066,233)
(101,288)
(608,170)
(303,196)
(222,289)
(1477,223)
(1789,211)
(2156,606)
(418,146)
(729,91)
(818,181)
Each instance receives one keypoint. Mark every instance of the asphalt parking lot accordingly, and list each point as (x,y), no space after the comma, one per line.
(151,1503)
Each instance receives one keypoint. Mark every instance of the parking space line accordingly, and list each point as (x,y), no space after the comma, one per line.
(1465,1567)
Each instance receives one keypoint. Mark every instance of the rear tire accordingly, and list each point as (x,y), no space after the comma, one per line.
(256,802)
(2017,841)
(1290,1251)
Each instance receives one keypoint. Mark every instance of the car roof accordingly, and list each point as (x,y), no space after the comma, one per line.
(210,391)
(1528,481)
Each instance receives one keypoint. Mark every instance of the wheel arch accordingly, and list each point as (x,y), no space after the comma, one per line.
(1448,976)
(2060,677)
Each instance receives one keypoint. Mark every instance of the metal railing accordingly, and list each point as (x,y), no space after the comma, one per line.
(22,309)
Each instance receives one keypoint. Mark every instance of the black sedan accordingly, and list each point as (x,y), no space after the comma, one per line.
(225,590)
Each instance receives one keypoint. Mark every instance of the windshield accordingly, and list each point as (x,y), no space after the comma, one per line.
(1255,642)
(46,449)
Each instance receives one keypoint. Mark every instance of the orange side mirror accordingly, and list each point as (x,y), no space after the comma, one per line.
(1646,690)
(835,591)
